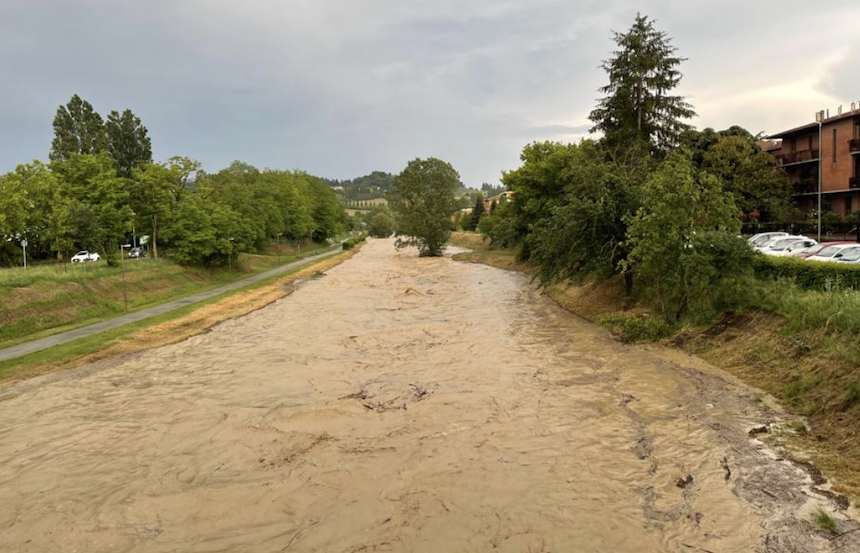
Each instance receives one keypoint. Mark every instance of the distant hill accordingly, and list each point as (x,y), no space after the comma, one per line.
(368,187)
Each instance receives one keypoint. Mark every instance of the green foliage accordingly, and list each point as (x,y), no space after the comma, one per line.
(423,200)
(78,129)
(751,175)
(809,275)
(586,229)
(127,141)
(825,521)
(381,226)
(638,106)
(683,239)
(361,189)
(632,328)
(477,213)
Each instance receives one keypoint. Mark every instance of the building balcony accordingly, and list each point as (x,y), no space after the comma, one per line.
(854,146)
(805,187)
(804,156)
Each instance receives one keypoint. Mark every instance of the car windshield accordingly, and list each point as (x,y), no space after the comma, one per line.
(762,240)
(830,251)
(80,253)
(851,255)
(783,243)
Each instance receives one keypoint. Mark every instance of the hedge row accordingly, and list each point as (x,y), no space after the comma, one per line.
(810,275)
(353,242)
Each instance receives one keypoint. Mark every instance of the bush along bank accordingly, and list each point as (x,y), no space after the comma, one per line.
(792,337)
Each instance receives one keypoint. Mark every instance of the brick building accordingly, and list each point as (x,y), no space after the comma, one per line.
(829,147)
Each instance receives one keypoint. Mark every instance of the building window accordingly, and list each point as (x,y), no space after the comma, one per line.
(835,138)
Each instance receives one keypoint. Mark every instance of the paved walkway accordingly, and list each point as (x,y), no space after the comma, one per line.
(84,331)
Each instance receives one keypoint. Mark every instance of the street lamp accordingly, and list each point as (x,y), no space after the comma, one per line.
(24,246)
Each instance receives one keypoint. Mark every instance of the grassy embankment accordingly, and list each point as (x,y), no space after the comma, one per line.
(172,327)
(800,346)
(47,299)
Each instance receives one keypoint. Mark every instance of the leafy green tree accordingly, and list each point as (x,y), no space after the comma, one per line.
(538,186)
(687,225)
(14,206)
(153,197)
(751,175)
(127,142)
(638,106)
(78,129)
(99,196)
(423,200)
(586,231)
(381,226)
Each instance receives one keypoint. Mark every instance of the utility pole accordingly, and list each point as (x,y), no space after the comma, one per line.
(124,285)
(820,168)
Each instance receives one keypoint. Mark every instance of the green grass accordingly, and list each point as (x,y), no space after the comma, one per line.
(824,521)
(45,300)
(97,342)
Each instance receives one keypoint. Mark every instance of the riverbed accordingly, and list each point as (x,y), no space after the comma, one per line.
(399,403)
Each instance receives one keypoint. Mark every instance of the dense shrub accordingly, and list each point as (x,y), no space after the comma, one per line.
(809,275)
(632,328)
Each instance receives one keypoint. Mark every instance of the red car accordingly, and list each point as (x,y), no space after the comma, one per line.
(814,250)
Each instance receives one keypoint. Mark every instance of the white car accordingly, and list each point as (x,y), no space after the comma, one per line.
(833,253)
(84,256)
(765,247)
(784,247)
(762,237)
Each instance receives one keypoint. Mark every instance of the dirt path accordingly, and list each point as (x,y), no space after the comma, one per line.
(400,404)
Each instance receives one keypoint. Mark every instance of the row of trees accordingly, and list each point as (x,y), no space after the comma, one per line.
(99,188)
(652,199)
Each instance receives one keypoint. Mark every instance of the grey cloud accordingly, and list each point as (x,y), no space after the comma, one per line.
(340,88)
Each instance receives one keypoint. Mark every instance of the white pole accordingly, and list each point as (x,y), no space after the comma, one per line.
(820,173)
(25,256)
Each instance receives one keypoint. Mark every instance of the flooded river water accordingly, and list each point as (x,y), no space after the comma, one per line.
(397,404)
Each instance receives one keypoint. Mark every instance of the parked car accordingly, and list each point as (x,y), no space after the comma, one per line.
(136,253)
(850,255)
(813,250)
(759,239)
(833,253)
(782,247)
(777,240)
(84,255)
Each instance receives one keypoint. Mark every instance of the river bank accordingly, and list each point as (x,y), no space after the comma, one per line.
(810,372)
(171,327)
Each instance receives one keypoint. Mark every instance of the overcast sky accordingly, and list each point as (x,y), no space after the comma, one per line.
(343,87)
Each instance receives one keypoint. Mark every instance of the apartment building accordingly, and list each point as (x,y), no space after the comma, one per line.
(827,150)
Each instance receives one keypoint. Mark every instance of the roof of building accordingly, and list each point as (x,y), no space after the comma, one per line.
(810,126)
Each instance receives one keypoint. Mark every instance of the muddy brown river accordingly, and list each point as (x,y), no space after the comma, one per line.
(400,404)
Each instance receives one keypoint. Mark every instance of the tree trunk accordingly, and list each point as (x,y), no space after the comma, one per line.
(628,283)
(155,235)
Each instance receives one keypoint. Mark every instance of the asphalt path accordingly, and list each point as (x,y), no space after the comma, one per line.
(116,322)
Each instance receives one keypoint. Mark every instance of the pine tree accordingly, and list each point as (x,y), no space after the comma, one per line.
(638,106)
(477,212)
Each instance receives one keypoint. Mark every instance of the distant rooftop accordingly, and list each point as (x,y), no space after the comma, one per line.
(822,117)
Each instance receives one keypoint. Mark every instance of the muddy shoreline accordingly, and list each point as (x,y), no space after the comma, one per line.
(403,404)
